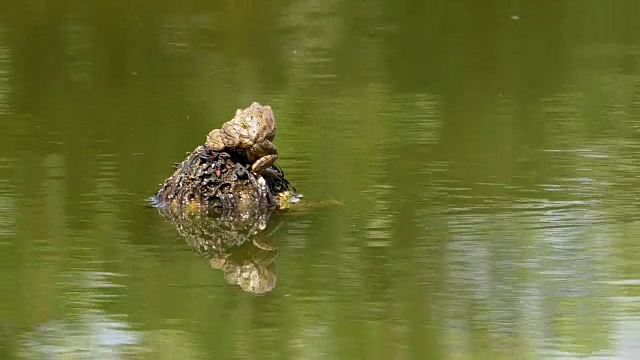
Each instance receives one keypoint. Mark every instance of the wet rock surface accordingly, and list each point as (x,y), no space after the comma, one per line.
(209,180)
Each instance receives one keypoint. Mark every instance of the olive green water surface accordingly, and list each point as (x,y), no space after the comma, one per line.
(485,156)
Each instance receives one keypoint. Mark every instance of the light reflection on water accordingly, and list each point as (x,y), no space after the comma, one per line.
(87,332)
(7,203)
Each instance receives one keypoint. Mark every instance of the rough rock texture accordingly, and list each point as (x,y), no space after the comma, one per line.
(211,180)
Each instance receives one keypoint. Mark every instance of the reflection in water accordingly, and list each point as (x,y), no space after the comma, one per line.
(239,244)
(553,279)
(543,256)
(93,336)
(78,69)
(7,202)
(6,63)
(87,332)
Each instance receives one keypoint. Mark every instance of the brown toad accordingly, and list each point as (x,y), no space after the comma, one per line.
(250,132)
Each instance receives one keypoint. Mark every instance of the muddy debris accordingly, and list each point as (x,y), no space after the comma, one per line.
(218,180)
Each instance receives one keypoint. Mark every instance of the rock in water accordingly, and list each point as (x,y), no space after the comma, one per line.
(209,179)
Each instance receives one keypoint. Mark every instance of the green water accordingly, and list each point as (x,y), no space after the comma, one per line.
(485,155)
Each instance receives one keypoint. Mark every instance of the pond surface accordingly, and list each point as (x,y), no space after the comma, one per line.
(470,174)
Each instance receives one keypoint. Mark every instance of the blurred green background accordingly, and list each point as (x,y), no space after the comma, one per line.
(485,154)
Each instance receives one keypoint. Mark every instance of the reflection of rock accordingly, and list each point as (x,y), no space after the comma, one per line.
(251,268)
(236,242)
(222,196)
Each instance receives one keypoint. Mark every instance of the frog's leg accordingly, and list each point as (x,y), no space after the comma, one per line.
(262,164)
(269,156)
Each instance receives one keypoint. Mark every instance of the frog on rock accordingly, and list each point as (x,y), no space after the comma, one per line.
(250,132)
